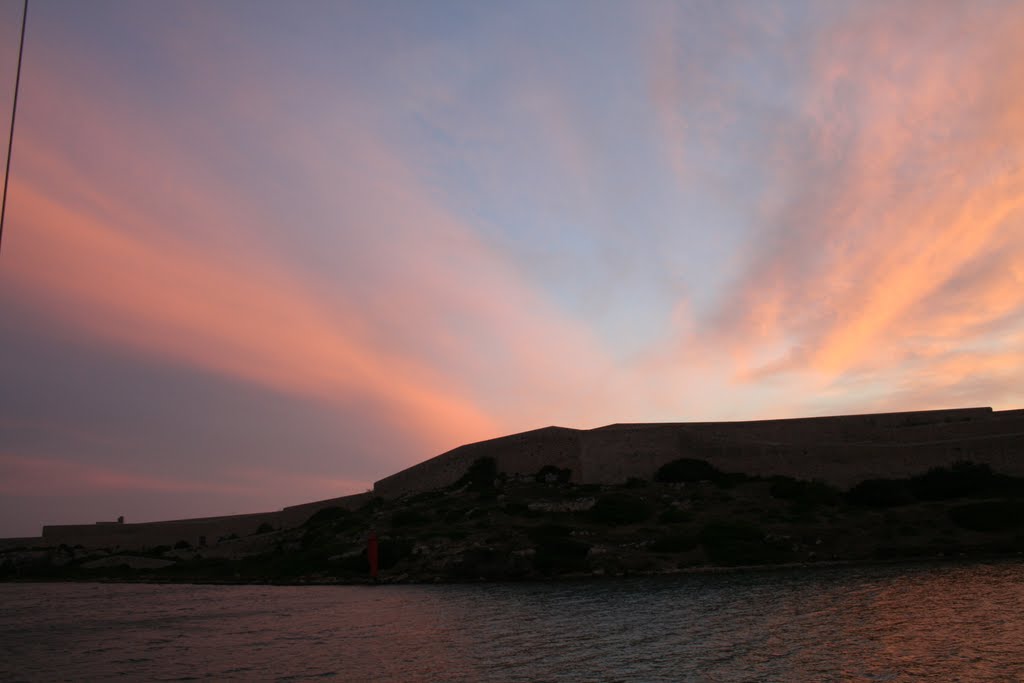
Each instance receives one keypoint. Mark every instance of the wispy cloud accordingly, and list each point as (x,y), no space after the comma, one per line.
(901,228)
(451,230)
(382,297)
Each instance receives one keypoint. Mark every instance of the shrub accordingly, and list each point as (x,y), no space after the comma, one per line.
(804,492)
(372,505)
(996,515)
(455,515)
(478,561)
(549,474)
(940,483)
(674,516)
(561,554)
(688,470)
(545,532)
(357,564)
(732,543)
(182,545)
(408,518)
(426,497)
(880,493)
(328,514)
(674,543)
(488,494)
(620,508)
(391,550)
(716,532)
(516,508)
(480,476)
(264,528)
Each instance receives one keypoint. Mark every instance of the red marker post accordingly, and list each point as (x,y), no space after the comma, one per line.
(371,555)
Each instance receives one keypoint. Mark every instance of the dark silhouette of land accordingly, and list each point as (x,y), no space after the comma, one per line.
(689,516)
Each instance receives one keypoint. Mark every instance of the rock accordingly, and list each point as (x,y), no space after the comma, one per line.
(577,505)
(130,560)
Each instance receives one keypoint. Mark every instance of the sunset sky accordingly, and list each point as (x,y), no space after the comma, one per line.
(258,254)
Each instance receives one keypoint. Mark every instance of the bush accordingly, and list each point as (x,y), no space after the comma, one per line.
(940,483)
(328,514)
(688,470)
(486,494)
(372,505)
(456,515)
(477,562)
(549,474)
(408,518)
(804,492)
(546,532)
(264,528)
(391,550)
(480,476)
(561,554)
(182,545)
(717,532)
(880,493)
(675,543)
(731,543)
(620,508)
(356,564)
(674,516)
(998,515)
(426,497)
(964,479)
(517,509)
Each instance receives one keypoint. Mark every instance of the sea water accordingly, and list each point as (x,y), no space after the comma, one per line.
(874,623)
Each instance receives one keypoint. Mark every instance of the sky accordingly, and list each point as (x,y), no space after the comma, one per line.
(263,253)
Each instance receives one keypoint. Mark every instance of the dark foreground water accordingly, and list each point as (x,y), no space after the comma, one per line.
(893,623)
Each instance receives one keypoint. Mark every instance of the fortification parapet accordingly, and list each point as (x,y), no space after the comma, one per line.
(842,450)
(295,515)
(198,531)
(523,453)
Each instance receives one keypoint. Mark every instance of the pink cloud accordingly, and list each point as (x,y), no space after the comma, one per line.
(45,476)
(902,229)
(143,247)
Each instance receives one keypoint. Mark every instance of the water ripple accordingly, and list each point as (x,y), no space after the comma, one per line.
(893,624)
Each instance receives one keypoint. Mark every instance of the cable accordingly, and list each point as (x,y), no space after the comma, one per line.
(14,111)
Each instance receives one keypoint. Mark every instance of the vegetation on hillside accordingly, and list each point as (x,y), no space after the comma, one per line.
(491,526)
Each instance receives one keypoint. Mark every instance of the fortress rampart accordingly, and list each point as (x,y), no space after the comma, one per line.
(201,531)
(841,450)
(524,452)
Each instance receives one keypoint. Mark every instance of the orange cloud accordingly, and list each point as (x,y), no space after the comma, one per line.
(138,244)
(243,319)
(903,228)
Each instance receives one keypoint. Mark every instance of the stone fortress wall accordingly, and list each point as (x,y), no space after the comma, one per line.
(526,452)
(841,450)
(201,531)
